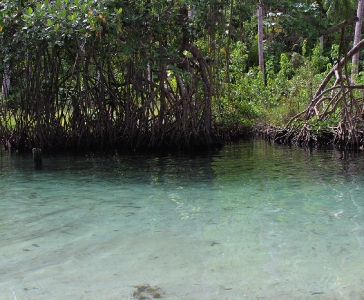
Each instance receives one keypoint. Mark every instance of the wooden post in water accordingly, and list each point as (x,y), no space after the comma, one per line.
(37,157)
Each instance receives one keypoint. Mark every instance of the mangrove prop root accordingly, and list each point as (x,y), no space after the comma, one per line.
(343,101)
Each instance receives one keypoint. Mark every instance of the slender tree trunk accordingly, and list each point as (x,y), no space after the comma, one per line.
(192,15)
(357,37)
(6,83)
(228,50)
(260,38)
(322,42)
(212,37)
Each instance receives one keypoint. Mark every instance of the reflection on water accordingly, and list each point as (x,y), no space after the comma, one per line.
(253,221)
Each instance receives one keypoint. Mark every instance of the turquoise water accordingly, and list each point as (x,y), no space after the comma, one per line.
(253,221)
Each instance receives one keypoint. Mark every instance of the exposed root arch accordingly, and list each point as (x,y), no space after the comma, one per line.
(342,101)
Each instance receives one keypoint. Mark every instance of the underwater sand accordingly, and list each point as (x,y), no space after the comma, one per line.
(253,221)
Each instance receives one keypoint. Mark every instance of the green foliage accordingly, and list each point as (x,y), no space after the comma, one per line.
(318,125)
(319,62)
(286,70)
(236,114)
(238,61)
(340,10)
(92,57)
(293,94)
(292,24)
(287,91)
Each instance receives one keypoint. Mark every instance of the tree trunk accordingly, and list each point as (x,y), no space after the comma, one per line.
(6,83)
(358,25)
(322,42)
(260,38)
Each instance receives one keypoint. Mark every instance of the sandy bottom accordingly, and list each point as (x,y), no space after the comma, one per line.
(64,236)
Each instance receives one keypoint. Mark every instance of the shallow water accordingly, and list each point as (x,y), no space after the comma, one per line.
(254,221)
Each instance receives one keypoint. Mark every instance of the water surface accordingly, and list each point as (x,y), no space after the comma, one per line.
(253,221)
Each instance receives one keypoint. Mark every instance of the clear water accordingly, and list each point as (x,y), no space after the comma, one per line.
(254,221)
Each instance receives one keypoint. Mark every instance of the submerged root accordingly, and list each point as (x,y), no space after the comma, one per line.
(306,135)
